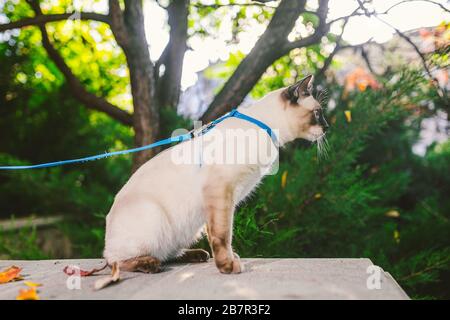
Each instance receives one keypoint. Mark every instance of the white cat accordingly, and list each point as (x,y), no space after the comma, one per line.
(164,206)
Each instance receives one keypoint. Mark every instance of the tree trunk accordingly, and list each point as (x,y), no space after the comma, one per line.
(267,49)
(169,85)
(146,111)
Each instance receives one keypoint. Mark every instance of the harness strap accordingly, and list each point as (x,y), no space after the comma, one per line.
(180,138)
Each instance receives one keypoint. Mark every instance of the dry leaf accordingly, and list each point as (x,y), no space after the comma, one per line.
(108,280)
(32,284)
(284,179)
(10,274)
(28,294)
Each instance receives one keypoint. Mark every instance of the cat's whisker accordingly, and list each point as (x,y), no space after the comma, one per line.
(322,147)
(326,147)
(322,97)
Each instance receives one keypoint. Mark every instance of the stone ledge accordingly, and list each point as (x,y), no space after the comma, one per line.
(263,279)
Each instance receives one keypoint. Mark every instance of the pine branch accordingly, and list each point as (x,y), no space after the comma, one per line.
(419,53)
(434,266)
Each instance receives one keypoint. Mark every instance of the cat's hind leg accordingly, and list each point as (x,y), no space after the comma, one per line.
(191,256)
(146,264)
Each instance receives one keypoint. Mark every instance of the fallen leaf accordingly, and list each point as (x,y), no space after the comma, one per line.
(28,294)
(32,284)
(10,274)
(108,280)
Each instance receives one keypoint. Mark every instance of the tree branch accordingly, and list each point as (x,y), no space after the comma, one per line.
(415,47)
(146,117)
(339,46)
(89,99)
(224,5)
(366,59)
(46,18)
(406,1)
(320,73)
(441,92)
(117,23)
(267,49)
(320,31)
(353,14)
(169,85)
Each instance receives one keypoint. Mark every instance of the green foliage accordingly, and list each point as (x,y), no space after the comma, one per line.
(41,122)
(206,18)
(340,206)
(21,244)
(283,72)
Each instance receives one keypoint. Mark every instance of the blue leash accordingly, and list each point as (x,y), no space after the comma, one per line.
(180,138)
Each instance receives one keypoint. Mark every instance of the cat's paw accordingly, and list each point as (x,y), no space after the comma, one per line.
(238,266)
(231,266)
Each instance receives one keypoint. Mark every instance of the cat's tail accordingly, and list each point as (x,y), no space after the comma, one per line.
(106,281)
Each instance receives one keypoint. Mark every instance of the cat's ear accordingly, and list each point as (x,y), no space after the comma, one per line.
(302,87)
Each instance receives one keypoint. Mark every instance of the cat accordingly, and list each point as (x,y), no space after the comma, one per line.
(164,206)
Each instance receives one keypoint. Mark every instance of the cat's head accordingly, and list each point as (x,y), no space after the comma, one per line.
(304,113)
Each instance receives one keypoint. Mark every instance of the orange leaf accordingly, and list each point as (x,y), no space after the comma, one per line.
(360,79)
(10,274)
(28,294)
(362,86)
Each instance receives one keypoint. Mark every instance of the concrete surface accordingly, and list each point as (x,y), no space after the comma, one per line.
(263,279)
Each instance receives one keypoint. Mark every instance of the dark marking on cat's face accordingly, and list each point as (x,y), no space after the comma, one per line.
(303,106)
(318,118)
(298,90)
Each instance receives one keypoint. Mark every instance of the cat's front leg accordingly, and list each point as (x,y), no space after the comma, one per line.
(219,209)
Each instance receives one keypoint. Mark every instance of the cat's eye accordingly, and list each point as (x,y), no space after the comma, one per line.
(316,113)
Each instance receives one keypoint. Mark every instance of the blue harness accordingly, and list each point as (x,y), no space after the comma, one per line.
(180,138)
